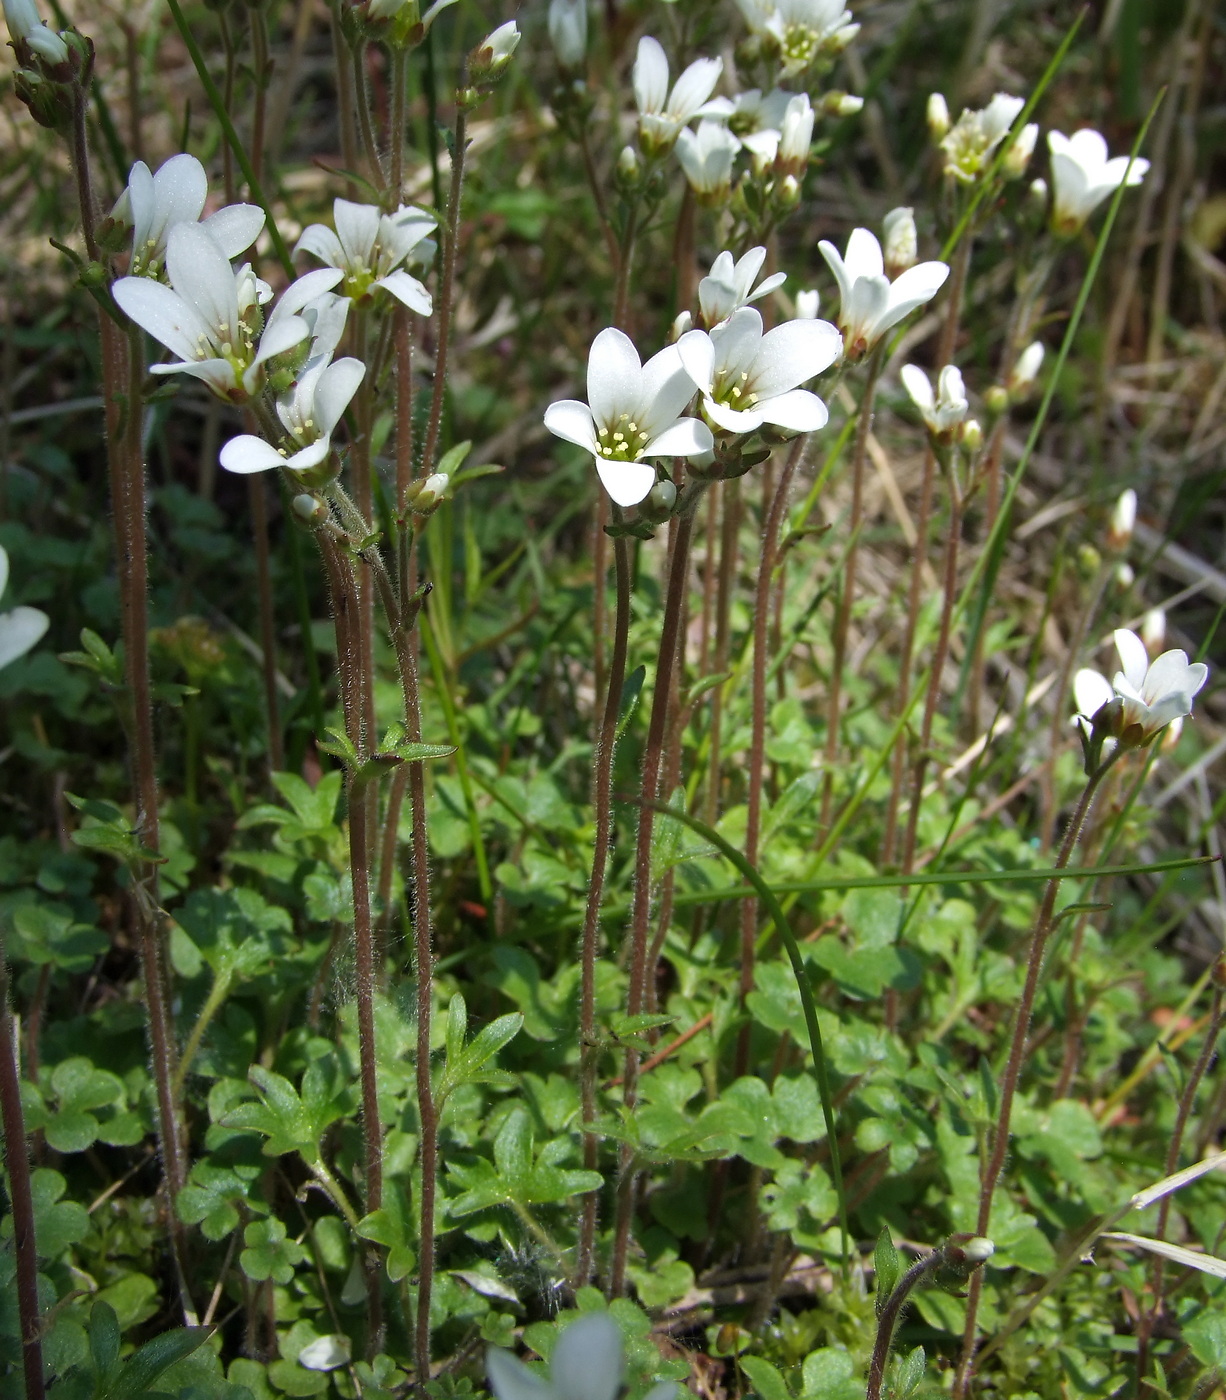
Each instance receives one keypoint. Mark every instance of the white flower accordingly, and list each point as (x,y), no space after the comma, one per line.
(662,113)
(802,28)
(1082,176)
(747,378)
(634,413)
(751,111)
(968,146)
(1026,371)
(588,1363)
(763,147)
(706,156)
(730,285)
(869,303)
(21,628)
(901,240)
(568,32)
(1150,696)
(808,304)
(944,411)
(1123,521)
(938,115)
(26,26)
(209,315)
(309,412)
(155,203)
(370,248)
(494,52)
(1021,149)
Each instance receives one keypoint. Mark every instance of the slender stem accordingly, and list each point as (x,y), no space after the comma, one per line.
(1187,1101)
(212,1004)
(757,745)
(132,55)
(1017,1053)
(227,100)
(939,656)
(887,1320)
(602,793)
(399,77)
(259,62)
(842,621)
(362,107)
(678,580)
(445,294)
(268,634)
(21,1199)
(346,117)
(730,527)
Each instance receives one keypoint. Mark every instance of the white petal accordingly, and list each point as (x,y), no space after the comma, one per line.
(626,482)
(216,373)
(4,570)
(792,353)
(834,260)
(799,410)
(357,227)
(693,88)
(407,289)
(572,420)
(19,631)
(917,385)
(687,437)
(613,375)
(249,454)
(179,190)
(163,313)
(733,420)
(768,285)
(140,197)
(910,289)
(336,387)
(322,242)
(864,257)
(236,227)
(1134,659)
(1092,691)
(650,76)
(698,359)
(201,273)
(587,1362)
(309,456)
(665,390)
(304,290)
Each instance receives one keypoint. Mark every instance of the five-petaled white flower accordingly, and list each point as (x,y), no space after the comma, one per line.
(588,1363)
(153,204)
(1143,698)
(969,144)
(209,315)
(730,285)
(1082,176)
(802,29)
(633,412)
(869,303)
(662,113)
(943,411)
(20,628)
(747,378)
(309,412)
(706,156)
(370,248)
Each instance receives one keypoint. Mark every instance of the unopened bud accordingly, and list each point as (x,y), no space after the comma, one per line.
(971,436)
(938,116)
(489,60)
(1038,194)
(1123,519)
(808,303)
(568,32)
(841,38)
(789,191)
(1153,631)
(901,241)
(1168,744)
(1089,560)
(840,104)
(629,168)
(978,1250)
(428,494)
(663,497)
(996,400)
(1026,371)
(1125,575)
(1017,157)
(310,509)
(681,324)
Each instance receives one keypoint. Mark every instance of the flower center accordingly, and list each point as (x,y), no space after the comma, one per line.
(800,44)
(734,391)
(621,441)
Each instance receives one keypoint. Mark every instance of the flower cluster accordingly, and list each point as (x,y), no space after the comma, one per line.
(372,251)
(968,146)
(799,32)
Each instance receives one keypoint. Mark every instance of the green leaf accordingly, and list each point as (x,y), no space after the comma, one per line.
(290,1123)
(138,1373)
(908,1373)
(888,1267)
(268,1253)
(1206,1335)
(390,1227)
(766,1380)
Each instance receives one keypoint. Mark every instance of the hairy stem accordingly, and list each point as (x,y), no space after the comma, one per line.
(446,292)
(268,636)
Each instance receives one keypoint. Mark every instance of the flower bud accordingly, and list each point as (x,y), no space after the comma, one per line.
(1125,576)
(681,324)
(840,39)
(901,242)
(1026,371)
(789,192)
(1123,519)
(808,303)
(27,31)
(629,167)
(310,509)
(978,1250)
(663,497)
(840,104)
(996,400)
(1168,744)
(1153,631)
(1017,157)
(1089,560)
(424,497)
(970,435)
(568,33)
(1038,195)
(938,116)
(489,60)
